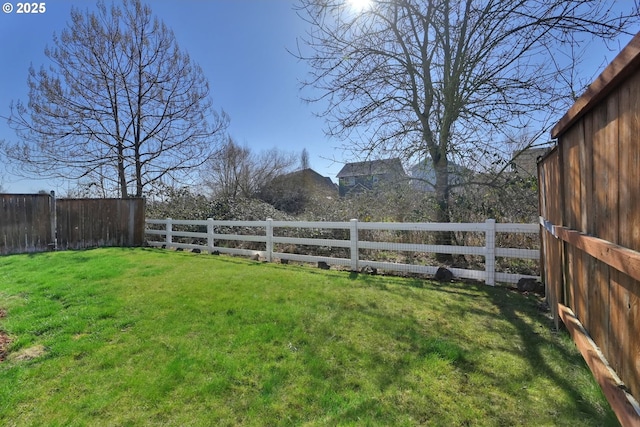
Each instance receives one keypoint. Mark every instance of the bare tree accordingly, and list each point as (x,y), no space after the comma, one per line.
(445,79)
(304,159)
(235,171)
(121,104)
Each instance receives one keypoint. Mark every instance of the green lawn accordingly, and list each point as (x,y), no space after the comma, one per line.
(153,337)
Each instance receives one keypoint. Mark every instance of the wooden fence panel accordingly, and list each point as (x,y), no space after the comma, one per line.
(625,297)
(598,156)
(87,223)
(40,222)
(25,224)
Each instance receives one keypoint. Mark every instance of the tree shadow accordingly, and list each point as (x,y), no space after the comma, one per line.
(520,311)
(534,342)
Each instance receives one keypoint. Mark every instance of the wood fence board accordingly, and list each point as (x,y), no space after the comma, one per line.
(572,181)
(598,296)
(553,275)
(582,287)
(612,143)
(604,173)
(587,175)
(570,275)
(619,329)
(586,183)
(555,185)
(584,188)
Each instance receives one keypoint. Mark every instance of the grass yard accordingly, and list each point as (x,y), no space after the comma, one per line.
(152,337)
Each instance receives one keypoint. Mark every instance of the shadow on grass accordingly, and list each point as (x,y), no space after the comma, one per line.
(536,348)
(533,344)
(359,356)
(414,282)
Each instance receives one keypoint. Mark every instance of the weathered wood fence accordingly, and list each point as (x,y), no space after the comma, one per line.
(348,250)
(590,222)
(40,222)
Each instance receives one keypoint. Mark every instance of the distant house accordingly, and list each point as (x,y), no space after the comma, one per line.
(423,175)
(292,192)
(308,180)
(361,176)
(525,162)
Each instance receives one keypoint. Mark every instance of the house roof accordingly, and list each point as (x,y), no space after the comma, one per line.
(309,177)
(372,167)
(426,167)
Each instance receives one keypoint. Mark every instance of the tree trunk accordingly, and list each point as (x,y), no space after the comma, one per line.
(441,168)
(139,186)
(122,178)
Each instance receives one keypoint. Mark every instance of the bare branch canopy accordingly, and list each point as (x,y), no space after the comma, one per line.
(120,104)
(443,80)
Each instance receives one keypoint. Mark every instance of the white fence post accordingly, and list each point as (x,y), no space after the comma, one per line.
(490,255)
(169,230)
(269,231)
(353,231)
(210,241)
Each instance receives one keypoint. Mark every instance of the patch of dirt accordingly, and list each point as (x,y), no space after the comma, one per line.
(28,353)
(4,345)
(24,354)
(4,338)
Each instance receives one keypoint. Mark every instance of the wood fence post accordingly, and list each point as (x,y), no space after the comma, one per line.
(490,252)
(132,204)
(353,231)
(169,229)
(210,241)
(269,233)
(53,216)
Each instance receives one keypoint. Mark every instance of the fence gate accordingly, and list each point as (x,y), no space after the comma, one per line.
(40,222)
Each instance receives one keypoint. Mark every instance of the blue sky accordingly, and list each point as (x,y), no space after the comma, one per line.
(242,47)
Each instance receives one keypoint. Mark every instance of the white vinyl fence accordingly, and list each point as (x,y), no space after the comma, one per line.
(344,251)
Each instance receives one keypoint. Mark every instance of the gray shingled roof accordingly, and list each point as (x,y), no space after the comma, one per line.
(372,167)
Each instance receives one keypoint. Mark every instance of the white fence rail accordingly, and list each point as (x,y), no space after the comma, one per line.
(263,232)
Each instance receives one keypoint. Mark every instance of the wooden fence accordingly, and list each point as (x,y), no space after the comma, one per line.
(40,222)
(590,218)
(26,223)
(351,246)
